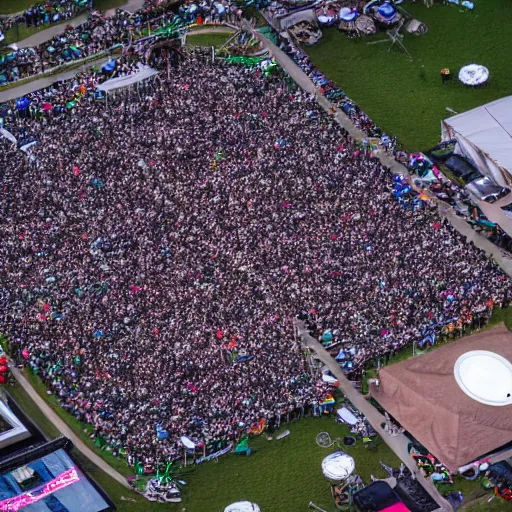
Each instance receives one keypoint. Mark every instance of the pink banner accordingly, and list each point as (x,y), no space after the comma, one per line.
(16,502)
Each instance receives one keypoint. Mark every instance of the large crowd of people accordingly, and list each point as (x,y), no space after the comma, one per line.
(155,251)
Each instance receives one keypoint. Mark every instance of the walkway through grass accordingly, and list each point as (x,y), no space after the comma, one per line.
(280,476)
(407,99)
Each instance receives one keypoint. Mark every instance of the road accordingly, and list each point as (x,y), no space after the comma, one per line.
(397,443)
(64,429)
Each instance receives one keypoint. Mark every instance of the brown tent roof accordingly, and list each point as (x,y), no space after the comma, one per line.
(422,395)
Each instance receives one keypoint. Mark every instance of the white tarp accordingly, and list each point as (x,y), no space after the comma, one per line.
(143,73)
(484,136)
(347,416)
(8,135)
(338,466)
(307,15)
(329,379)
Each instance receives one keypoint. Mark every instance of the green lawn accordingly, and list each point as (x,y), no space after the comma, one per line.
(104,5)
(20,32)
(10,6)
(407,98)
(210,39)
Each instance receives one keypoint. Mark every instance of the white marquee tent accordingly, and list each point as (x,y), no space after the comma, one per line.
(484,136)
(142,73)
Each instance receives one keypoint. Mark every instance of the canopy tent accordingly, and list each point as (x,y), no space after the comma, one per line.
(142,73)
(484,136)
(422,394)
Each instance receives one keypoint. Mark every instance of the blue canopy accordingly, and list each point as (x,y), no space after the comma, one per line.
(22,103)
(109,66)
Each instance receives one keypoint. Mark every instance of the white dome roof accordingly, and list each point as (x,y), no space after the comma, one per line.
(485,377)
(242,506)
(338,466)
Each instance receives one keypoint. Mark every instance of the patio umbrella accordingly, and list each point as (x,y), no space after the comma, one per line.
(47,106)
(22,103)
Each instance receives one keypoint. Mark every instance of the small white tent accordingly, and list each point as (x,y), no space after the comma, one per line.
(484,136)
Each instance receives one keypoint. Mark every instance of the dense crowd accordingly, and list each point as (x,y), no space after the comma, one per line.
(100,33)
(45,13)
(148,238)
(97,34)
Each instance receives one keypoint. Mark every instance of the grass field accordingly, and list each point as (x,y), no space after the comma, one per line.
(210,39)
(10,6)
(407,99)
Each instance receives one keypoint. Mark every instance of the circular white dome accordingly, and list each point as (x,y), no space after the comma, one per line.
(242,506)
(338,466)
(485,377)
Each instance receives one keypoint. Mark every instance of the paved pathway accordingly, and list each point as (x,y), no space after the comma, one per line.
(64,429)
(34,85)
(49,33)
(54,30)
(398,443)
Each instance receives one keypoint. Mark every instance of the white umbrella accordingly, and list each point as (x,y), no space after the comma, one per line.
(243,506)
(338,466)
(187,443)
(473,74)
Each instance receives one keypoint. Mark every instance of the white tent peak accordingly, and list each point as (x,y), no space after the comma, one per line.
(484,135)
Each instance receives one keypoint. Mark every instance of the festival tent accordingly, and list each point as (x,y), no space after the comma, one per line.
(423,395)
(484,136)
(142,73)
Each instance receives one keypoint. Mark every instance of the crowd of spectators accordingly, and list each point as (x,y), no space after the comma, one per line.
(45,13)
(147,240)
